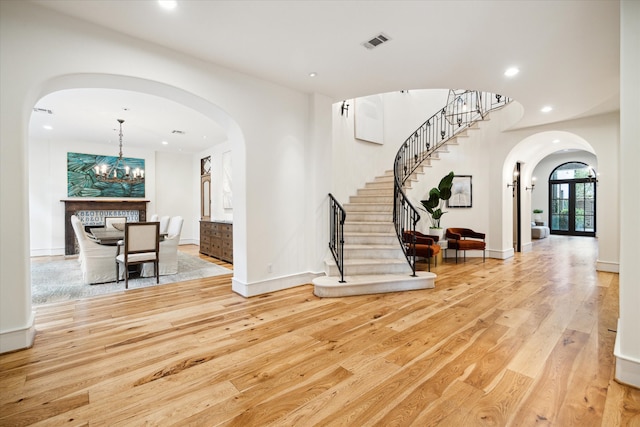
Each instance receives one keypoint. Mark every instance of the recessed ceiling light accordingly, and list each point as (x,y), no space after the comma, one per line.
(168,4)
(546,109)
(555,141)
(48,127)
(313,74)
(165,143)
(511,72)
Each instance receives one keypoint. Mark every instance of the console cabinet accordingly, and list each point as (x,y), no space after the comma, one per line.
(216,240)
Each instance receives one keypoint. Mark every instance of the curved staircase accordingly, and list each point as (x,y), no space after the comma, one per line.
(373,259)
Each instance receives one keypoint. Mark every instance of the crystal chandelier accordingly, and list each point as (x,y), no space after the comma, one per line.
(119,172)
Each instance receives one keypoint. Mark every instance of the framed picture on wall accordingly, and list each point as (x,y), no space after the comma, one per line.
(461,192)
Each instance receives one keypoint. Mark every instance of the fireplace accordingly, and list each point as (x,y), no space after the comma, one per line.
(132,209)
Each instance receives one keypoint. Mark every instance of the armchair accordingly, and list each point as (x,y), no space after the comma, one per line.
(422,245)
(164,222)
(465,239)
(96,260)
(168,250)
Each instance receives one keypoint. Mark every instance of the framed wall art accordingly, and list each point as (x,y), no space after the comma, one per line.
(461,192)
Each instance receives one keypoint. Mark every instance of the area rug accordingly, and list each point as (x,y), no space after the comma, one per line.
(62,280)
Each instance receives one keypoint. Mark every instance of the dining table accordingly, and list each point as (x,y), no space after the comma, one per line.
(111,236)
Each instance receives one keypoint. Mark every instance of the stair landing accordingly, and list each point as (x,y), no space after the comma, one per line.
(330,286)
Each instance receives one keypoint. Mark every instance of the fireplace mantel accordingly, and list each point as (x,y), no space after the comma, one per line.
(74,205)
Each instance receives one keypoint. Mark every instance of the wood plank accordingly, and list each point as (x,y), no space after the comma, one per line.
(523,341)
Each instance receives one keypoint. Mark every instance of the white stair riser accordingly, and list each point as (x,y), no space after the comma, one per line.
(385,192)
(367,207)
(356,270)
(372,227)
(370,216)
(371,240)
(373,252)
(371,199)
(380,185)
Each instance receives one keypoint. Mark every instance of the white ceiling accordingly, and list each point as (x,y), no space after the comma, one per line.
(567,51)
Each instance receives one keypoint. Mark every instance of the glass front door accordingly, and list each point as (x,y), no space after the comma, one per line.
(572,207)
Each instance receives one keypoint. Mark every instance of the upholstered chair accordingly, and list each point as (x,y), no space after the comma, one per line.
(465,239)
(424,246)
(168,250)
(109,222)
(141,245)
(96,260)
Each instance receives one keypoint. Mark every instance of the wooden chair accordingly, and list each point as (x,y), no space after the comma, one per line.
(465,239)
(141,245)
(422,245)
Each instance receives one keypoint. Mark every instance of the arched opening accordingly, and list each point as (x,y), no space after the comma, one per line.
(572,199)
(193,103)
(537,155)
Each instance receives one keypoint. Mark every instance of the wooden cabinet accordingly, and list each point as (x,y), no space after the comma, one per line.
(216,240)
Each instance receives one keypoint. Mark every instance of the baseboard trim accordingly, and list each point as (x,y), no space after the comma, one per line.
(527,247)
(18,339)
(47,252)
(502,254)
(610,267)
(627,368)
(272,285)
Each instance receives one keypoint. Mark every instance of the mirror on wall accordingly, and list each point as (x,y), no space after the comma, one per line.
(205,188)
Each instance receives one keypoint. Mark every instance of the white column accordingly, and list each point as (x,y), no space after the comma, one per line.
(627,348)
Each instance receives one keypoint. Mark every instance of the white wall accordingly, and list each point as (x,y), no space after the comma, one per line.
(174,194)
(543,170)
(356,161)
(48,186)
(268,126)
(218,211)
(627,347)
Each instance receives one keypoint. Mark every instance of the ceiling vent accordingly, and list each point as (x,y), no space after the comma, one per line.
(42,110)
(376,41)
(178,132)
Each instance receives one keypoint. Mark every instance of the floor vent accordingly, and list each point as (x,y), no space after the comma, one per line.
(376,41)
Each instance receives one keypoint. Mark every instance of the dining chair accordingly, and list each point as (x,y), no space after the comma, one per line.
(141,245)
(168,259)
(96,260)
(109,222)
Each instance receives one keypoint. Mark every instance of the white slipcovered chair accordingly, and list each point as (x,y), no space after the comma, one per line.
(96,260)
(168,250)
(164,222)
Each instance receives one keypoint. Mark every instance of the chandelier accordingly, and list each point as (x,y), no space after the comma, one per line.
(119,172)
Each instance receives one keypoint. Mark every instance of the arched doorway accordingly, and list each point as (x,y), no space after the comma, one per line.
(190,101)
(572,200)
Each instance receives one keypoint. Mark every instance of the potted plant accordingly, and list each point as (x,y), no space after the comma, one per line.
(434,204)
(537,215)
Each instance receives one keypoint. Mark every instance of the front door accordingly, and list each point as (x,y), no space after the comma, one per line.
(572,207)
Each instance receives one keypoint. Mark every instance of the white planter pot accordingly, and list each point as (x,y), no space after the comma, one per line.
(436,232)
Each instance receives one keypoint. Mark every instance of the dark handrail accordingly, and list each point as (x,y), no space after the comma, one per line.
(463,109)
(337,217)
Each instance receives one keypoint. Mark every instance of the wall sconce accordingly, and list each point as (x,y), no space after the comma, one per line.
(533,184)
(514,184)
(344,110)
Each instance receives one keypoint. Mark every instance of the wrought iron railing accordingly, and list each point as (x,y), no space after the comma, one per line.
(337,217)
(463,109)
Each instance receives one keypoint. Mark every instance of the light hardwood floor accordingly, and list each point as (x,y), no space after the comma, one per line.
(520,342)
